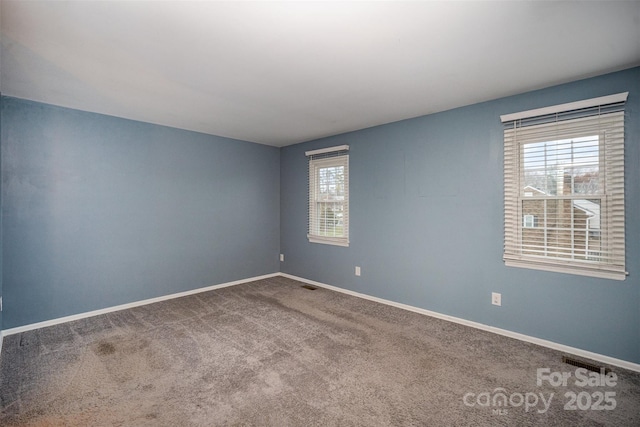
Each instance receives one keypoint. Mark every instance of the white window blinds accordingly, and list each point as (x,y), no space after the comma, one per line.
(329,195)
(564,188)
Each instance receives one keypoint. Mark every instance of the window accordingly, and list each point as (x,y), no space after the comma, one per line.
(329,196)
(529,221)
(564,188)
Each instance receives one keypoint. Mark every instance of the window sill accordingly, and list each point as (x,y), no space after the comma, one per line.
(335,241)
(568,269)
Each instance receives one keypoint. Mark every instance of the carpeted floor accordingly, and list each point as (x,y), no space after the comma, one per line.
(271,353)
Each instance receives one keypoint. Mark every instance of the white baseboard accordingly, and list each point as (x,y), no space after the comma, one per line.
(71,318)
(545,343)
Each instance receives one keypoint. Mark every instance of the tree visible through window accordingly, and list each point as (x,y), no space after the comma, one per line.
(329,200)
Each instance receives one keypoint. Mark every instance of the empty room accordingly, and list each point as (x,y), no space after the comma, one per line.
(320,213)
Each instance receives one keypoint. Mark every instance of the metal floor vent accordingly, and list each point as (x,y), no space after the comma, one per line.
(311,288)
(589,366)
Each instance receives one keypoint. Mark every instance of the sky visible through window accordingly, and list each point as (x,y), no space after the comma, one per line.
(569,165)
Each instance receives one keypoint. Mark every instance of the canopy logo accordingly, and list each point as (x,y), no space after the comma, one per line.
(500,401)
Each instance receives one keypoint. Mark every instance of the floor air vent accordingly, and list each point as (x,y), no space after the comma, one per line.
(311,288)
(589,366)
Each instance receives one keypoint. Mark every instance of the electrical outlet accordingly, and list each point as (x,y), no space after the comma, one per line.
(357,271)
(281,257)
(496,298)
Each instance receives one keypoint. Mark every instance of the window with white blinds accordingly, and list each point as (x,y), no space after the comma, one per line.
(329,195)
(564,188)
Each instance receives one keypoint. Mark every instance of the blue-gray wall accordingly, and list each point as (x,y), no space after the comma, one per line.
(427,225)
(100,211)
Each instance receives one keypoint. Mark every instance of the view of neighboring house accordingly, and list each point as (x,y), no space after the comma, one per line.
(561,227)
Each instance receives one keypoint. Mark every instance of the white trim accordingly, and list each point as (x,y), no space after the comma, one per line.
(73,317)
(326,150)
(314,214)
(521,337)
(580,270)
(336,241)
(603,100)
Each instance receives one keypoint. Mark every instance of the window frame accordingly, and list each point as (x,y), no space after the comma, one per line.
(568,120)
(323,159)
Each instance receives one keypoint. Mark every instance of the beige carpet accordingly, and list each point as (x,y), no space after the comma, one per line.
(271,353)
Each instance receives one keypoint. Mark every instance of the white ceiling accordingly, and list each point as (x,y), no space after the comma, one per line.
(279,73)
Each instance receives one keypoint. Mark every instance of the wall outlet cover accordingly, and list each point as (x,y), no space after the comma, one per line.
(496,298)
